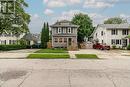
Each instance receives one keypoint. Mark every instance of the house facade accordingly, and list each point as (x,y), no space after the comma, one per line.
(112,34)
(64,34)
(9,39)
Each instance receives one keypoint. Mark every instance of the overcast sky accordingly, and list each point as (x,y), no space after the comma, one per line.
(53,10)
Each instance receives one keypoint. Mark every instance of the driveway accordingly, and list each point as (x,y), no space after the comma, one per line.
(16,53)
(64,73)
(105,54)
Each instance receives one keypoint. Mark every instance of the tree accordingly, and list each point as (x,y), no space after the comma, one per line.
(115,20)
(85,25)
(19,18)
(47,32)
(45,35)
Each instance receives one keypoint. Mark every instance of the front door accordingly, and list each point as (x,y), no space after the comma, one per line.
(69,41)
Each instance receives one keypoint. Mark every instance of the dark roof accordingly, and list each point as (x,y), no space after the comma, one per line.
(64,23)
(115,26)
(29,37)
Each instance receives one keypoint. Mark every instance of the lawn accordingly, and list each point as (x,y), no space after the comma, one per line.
(49,56)
(86,56)
(52,51)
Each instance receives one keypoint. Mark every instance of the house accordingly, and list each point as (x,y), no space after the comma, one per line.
(33,39)
(112,34)
(64,34)
(9,39)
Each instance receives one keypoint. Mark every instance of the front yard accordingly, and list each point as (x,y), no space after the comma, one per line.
(57,53)
(56,50)
(49,56)
(86,56)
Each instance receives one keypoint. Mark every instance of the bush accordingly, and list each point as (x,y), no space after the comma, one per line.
(128,48)
(113,47)
(11,47)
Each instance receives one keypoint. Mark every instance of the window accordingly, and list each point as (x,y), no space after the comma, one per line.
(114,32)
(125,32)
(101,33)
(60,40)
(69,30)
(55,40)
(56,30)
(102,41)
(112,41)
(59,30)
(65,40)
(117,42)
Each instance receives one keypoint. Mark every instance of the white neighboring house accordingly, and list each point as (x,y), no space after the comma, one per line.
(112,34)
(8,39)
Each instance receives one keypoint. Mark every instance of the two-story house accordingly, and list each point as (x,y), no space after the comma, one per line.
(112,34)
(64,34)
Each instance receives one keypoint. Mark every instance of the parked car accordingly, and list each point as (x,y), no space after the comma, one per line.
(101,46)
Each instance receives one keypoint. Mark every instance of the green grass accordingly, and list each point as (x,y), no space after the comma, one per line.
(49,56)
(52,51)
(86,56)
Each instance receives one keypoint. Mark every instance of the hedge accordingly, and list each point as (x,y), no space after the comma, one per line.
(11,47)
(128,48)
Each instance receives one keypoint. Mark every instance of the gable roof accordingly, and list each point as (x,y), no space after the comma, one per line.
(115,26)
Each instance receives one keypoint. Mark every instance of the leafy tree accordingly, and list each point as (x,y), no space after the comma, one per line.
(85,25)
(115,20)
(19,18)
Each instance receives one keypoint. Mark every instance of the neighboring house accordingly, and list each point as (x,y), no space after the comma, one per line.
(33,39)
(64,34)
(112,34)
(9,39)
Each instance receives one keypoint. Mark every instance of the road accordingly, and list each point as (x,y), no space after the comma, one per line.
(65,73)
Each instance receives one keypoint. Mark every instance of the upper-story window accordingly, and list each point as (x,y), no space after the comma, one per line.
(56,30)
(125,32)
(69,30)
(114,32)
(59,30)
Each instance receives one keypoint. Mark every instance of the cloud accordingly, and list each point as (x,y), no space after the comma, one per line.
(60,3)
(97,4)
(68,15)
(48,12)
(45,1)
(55,3)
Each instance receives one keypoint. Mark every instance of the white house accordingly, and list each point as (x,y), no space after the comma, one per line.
(112,34)
(9,39)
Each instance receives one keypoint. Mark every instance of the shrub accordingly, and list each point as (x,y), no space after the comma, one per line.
(128,48)
(11,47)
(114,47)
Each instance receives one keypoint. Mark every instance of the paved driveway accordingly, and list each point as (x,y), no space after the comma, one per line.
(16,53)
(64,73)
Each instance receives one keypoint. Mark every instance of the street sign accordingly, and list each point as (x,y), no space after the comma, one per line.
(7,6)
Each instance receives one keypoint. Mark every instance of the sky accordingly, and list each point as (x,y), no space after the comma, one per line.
(52,10)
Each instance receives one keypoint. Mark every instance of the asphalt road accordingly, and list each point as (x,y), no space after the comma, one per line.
(65,73)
